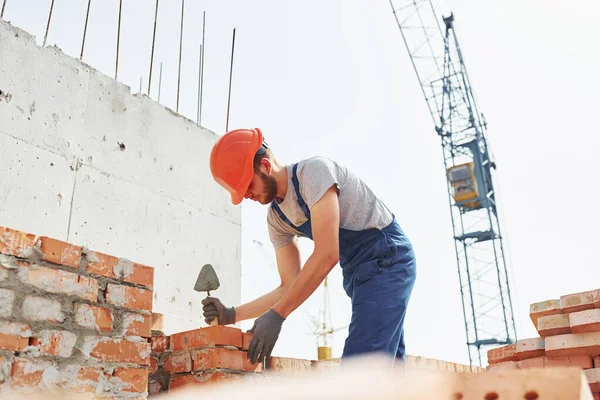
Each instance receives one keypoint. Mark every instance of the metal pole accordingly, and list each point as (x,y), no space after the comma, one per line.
(118,37)
(180,45)
(159,82)
(48,25)
(3,7)
(202,68)
(199,88)
(140,84)
(230,76)
(152,54)
(87,15)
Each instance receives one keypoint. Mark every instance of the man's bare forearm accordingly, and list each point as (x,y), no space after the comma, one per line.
(259,306)
(314,272)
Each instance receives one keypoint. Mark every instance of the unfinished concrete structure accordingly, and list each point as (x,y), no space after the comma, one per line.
(84,160)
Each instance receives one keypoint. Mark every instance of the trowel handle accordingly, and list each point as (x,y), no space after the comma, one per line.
(214,321)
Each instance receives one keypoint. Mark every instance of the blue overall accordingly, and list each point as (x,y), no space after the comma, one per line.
(379,271)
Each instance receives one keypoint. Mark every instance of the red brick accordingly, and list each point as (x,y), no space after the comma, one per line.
(503,353)
(585,321)
(541,309)
(535,362)
(530,348)
(158,322)
(59,281)
(117,350)
(59,252)
(597,362)
(137,325)
(55,343)
(207,378)
(577,302)
(178,363)
(129,297)
(27,372)
(576,361)
(246,339)
(160,343)
(85,379)
(552,325)
(582,361)
(93,317)
(331,365)
(220,357)
(13,342)
(153,365)
(290,366)
(596,297)
(135,379)
(205,337)
(593,377)
(573,343)
(596,396)
(120,268)
(36,308)
(141,275)
(14,336)
(15,243)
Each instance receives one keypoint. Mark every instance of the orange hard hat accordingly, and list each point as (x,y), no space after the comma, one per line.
(231,160)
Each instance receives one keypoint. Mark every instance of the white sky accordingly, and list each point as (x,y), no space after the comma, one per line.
(333,78)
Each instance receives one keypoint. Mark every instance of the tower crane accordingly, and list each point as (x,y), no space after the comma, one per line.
(437,59)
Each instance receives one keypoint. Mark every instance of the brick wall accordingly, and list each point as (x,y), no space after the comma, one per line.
(72,318)
(569,336)
(75,319)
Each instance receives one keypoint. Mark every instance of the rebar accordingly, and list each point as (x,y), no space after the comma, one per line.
(202,69)
(87,15)
(180,46)
(159,81)
(48,25)
(230,77)
(3,7)
(118,38)
(153,41)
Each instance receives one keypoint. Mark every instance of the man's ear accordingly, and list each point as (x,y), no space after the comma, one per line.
(265,165)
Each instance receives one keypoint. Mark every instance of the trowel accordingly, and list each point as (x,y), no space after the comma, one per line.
(207,281)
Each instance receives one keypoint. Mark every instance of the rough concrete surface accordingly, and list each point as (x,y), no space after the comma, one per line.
(86,161)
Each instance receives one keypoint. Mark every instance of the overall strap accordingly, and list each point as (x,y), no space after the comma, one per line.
(282,215)
(301,202)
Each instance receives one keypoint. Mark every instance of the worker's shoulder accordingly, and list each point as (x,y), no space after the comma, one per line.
(317,163)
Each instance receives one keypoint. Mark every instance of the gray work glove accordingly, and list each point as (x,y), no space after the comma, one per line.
(265,333)
(212,307)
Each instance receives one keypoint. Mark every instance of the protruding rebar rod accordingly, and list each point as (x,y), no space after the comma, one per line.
(153,41)
(230,76)
(48,25)
(87,16)
(180,46)
(3,7)
(199,84)
(159,82)
(202,68)
(118,37)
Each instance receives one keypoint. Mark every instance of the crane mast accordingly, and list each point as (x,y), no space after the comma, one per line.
(483,278)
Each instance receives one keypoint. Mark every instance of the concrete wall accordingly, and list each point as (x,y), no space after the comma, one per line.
(85,161)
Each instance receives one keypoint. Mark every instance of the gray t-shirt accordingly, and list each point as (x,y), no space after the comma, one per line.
(359,207)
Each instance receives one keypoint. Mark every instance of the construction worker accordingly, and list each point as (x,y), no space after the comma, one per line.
(324,201)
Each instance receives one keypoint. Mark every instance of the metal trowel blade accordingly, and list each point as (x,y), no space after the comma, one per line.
(207,279)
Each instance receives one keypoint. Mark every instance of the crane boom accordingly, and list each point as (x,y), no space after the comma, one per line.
(483,277)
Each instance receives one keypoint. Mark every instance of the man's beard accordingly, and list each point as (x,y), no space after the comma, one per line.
(270,188)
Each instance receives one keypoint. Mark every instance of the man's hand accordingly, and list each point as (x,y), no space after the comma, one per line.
(265,333)
(214,308)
